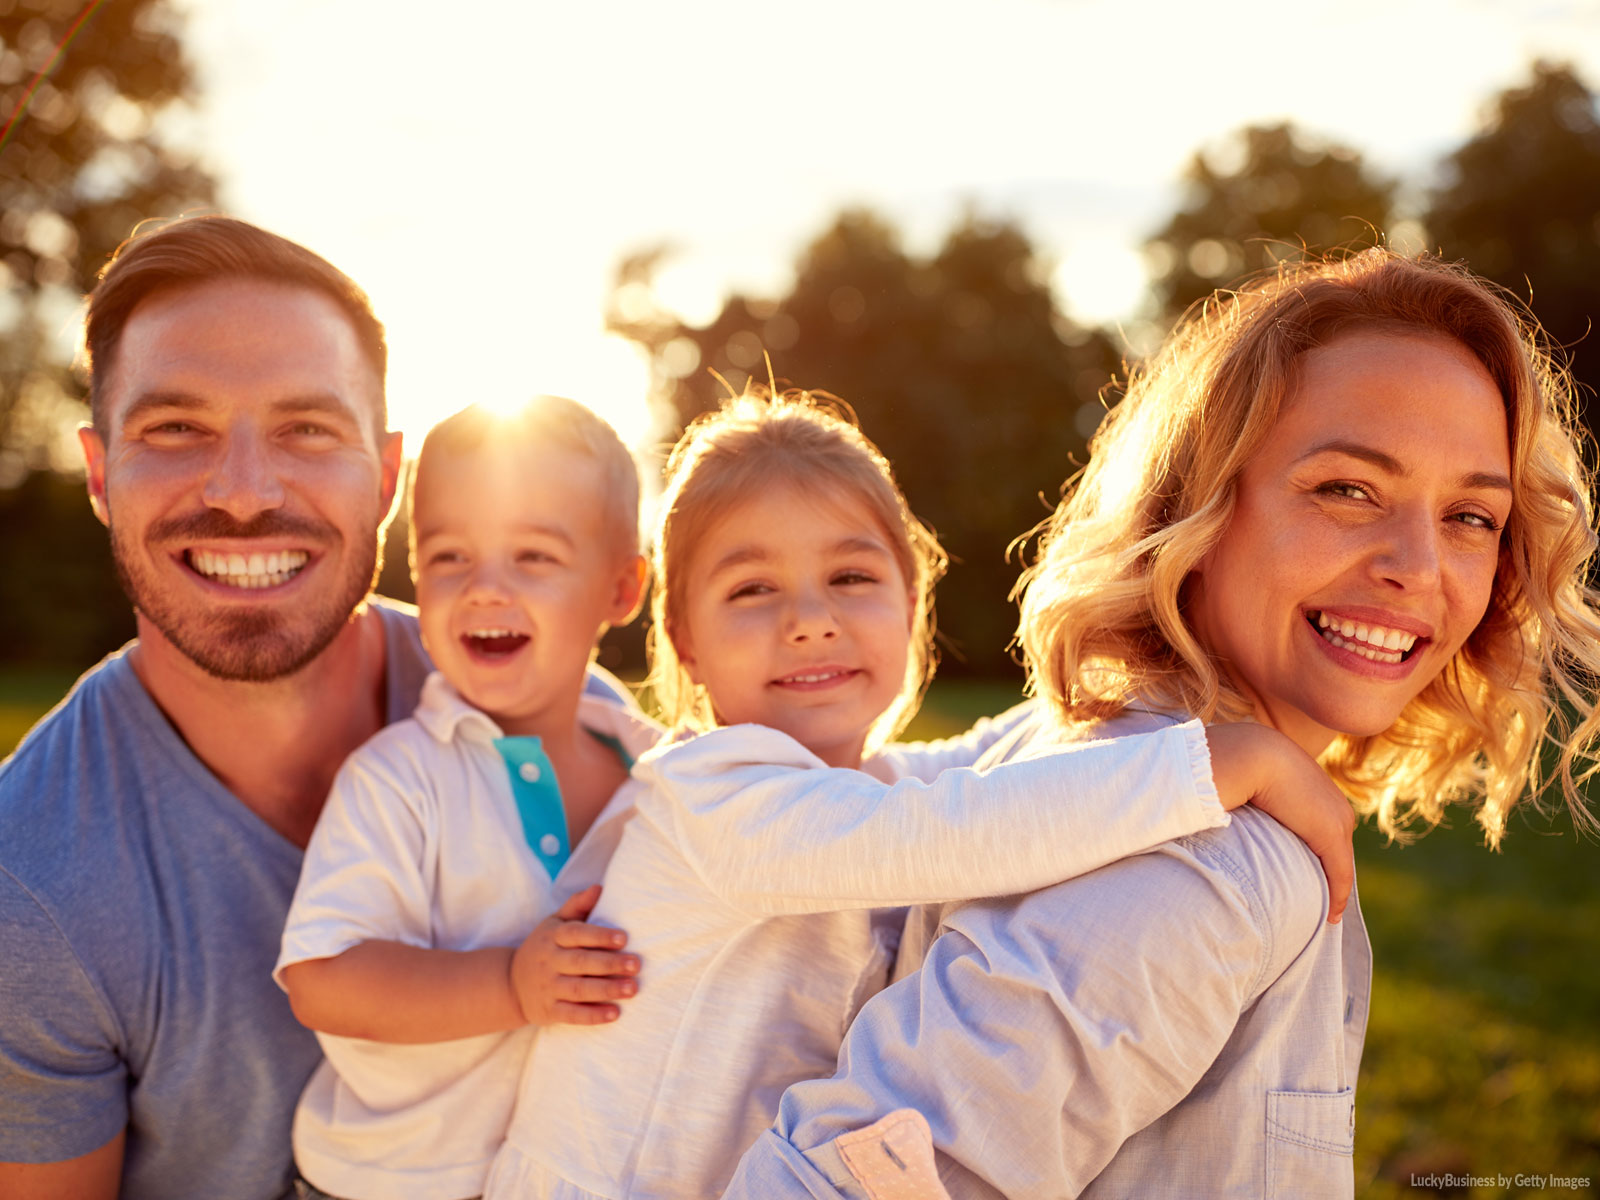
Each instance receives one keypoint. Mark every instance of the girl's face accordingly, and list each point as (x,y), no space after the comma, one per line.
(797,616)
(1364,539)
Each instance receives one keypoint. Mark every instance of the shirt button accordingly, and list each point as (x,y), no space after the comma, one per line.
(549,844)
(529,771)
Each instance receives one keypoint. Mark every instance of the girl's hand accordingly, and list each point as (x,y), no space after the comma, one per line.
(566,972)
(1252,764)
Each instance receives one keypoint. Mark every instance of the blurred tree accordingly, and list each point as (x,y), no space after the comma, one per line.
(81,164)
(1289,193)
(958,365)
(1521,204)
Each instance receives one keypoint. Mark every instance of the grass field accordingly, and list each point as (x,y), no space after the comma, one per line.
(1483,1050)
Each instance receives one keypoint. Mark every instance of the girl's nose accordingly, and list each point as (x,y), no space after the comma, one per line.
(811,619)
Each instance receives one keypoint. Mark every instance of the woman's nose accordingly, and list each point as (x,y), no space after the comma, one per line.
(1409,556)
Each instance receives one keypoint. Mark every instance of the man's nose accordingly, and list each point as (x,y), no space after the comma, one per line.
(243,480)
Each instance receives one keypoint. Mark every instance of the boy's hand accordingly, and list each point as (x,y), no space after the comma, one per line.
(1257,765)
(566,972)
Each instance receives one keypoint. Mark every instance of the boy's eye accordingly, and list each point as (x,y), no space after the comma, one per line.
(534,556)
(442,558)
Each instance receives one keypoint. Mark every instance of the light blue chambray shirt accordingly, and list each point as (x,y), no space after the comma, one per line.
(1177,1024)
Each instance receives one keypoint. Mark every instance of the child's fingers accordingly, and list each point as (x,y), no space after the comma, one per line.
(586,989)
(580,905)
(1339,865)
(577,933)
(595,962)
(565,1012)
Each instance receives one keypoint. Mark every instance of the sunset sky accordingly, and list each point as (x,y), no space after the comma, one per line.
(480,167)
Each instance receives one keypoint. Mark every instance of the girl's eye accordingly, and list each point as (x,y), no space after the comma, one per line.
(745,590)
(853,576)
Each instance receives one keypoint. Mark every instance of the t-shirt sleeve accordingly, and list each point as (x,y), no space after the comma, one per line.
(63,1083)
(926,760)
(366,871)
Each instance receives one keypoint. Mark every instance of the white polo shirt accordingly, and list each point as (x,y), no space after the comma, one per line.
(422,842)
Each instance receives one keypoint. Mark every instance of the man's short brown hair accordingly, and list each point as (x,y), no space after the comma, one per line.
(199,250)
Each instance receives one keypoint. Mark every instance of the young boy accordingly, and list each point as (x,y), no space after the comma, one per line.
(440,913)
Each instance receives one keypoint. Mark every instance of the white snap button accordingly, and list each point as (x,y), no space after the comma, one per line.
(549,844)
(529,771)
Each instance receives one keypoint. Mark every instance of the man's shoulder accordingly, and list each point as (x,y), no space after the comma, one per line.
(77,734)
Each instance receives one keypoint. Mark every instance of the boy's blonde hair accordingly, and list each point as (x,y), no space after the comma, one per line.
(567,424)
(752,443)
(1103,603)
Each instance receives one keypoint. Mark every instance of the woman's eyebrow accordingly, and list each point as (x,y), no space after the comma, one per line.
(1387,462)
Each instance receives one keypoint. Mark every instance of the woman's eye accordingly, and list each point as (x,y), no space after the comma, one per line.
(1476,520)
(1351,491)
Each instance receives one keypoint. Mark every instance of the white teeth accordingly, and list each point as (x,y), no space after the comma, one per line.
(813,678)
(256,571)
(491,633)
(1369,641)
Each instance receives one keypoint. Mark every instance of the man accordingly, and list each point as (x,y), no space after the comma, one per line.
(152,826)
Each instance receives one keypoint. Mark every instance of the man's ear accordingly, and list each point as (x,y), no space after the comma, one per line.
(391,456)
(628,596)
(94,460)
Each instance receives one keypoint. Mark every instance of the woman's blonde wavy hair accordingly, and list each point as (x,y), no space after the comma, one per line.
(1103,601)
(753,443)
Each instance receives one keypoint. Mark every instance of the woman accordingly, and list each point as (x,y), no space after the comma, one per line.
(1345,502)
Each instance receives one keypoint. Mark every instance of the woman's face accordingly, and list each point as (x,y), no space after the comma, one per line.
(1364,538)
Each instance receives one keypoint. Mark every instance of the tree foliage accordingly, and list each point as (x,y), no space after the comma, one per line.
(83,163)
(1289,194)
(958,364)
(1520,202)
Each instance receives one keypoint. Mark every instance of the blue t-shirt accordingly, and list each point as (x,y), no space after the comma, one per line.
(141,907)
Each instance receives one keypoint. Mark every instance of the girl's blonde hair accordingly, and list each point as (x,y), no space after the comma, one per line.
(1103,602)
(755,442)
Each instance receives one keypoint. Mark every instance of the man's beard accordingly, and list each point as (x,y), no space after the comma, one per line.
(241,644)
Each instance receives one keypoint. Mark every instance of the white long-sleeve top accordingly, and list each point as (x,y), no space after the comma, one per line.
(752,882)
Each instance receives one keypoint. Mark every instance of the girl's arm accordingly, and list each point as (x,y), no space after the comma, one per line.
(565,971)
(926,760)
(772,831)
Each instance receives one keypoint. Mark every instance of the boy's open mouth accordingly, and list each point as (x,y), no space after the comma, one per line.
(493,643)
(1374,642)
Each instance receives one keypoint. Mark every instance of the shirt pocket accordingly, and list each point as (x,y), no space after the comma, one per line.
(1311,1138)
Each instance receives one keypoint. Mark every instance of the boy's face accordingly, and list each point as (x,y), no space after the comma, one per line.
(517,572)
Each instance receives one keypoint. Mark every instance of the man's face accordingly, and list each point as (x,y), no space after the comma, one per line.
(242,477)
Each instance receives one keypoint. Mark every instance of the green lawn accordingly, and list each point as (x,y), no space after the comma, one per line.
(1483,1051)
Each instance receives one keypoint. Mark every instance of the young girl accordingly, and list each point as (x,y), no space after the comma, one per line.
(792,617)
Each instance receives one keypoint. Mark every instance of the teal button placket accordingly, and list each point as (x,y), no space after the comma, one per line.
(538,799)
